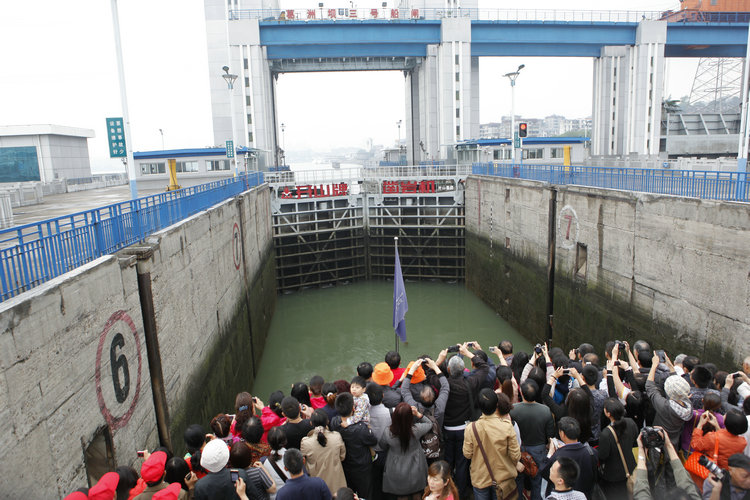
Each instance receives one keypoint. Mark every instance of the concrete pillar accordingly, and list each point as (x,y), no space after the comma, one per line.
(254,88)
(628,90)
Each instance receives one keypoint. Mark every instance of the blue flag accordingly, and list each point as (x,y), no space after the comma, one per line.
(400,306)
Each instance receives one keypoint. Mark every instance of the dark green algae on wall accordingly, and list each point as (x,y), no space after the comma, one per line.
(231,363)
(584,311)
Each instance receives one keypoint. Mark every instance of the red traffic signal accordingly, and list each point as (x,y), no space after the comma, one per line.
(523,129)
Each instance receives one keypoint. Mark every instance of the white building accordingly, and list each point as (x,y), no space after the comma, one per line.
(536,150)
(43,153)
(194,166)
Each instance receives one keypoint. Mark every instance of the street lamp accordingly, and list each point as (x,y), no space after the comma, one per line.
(399,134)
(512,77)
(283,142)
(230,78)
(162,139)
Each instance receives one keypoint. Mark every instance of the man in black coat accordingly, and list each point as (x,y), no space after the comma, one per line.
(582,454)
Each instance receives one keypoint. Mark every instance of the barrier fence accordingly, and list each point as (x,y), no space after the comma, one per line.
(726,186)
(34,253)
(342,13)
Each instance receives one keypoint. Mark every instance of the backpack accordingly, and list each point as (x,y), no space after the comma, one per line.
(431,440)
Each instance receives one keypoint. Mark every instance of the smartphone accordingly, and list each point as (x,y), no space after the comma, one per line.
(617,363)
(140,453)
(234,474)
(662,356)
(189,475)
(566,371)
(471,344)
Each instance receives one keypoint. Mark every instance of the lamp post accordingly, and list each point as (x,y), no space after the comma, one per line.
(283,141)
(162,139)
(230,78)
(512,77)
(130,165)
(398,123)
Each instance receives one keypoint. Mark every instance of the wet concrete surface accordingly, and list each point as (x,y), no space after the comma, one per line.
(58,205)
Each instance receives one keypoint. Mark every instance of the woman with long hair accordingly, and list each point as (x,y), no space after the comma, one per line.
(274,463)
(624,431)
(324,451)
(329,392)
(243,410)
(440,484)
(405,473)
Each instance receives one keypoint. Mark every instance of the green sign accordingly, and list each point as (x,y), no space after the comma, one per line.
(516,140)
(230,149)
(116,136)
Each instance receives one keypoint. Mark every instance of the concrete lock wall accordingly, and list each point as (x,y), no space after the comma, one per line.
(670,270)
(73,351)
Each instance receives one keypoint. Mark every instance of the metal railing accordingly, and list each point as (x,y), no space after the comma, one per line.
(34,253)
(341,13)
(726,186)
(356,174)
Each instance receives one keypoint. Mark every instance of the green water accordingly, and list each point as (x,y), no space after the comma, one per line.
(330,331)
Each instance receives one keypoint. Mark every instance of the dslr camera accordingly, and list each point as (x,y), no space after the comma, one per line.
(651,438)
(711,466)
(453,348)
(538,348)
(620,346)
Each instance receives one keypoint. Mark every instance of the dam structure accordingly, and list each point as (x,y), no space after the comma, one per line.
(125,349)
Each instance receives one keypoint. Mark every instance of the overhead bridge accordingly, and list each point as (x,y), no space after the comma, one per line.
(334,226)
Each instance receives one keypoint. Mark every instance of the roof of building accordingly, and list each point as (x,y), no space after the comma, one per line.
(183,153)
(527,141)
(45,129)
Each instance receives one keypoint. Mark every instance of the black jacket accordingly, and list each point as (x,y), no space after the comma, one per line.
(459,409)
(357,439)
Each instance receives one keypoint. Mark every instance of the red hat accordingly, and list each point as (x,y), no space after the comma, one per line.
(152,469)
(171,492)
(105,488)
(76,495)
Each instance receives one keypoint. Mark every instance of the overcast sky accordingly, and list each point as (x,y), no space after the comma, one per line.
(58,66)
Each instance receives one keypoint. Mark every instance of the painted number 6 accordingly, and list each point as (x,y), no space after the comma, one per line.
(119,363)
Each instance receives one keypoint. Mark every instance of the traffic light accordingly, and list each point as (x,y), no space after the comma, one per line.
(523,129)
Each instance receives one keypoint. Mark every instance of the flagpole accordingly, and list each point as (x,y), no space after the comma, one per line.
(395,245)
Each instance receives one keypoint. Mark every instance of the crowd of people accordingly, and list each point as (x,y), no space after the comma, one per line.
(472,424)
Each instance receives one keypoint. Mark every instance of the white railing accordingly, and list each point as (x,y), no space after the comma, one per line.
(353,175)
(395,14)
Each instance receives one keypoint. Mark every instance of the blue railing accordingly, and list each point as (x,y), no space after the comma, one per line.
(34,253)
(727,186)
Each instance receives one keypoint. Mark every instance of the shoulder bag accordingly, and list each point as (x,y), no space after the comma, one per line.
(630,478)
(692,465)
(510,490)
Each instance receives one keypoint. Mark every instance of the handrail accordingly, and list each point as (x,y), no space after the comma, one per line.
(343,13)
(34,253)
(724,186)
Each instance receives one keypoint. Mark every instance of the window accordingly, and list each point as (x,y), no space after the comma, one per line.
(458,76)
(458,130)
(458,95)
(244,63)
(458,113)
(247,81)
(556,152)
(247,100)
(249,137)
(186,166)
(153,168)
(533,154)
(217,165)
(501,154)
(457,62)
(249,118)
